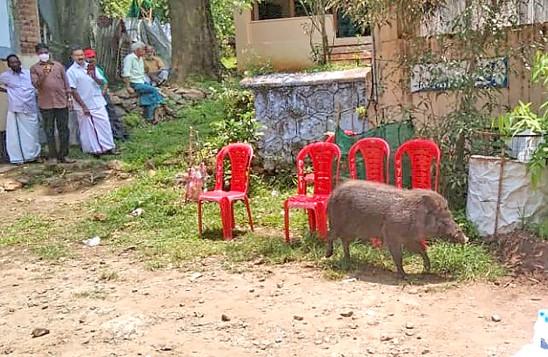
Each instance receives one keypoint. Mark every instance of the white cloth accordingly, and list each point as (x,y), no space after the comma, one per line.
(22,137)
(95,132)
(87,88)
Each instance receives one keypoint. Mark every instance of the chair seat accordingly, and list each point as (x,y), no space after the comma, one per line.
(308,202)
(218,195)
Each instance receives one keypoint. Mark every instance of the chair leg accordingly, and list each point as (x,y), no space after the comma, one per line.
(248,208)
(286,221)
(321,219)
(226,219)
(232,214)
(200,228)
(311,220)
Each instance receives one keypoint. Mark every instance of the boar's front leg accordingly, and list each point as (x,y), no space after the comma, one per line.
(393,243)
(397,255)
(417,248)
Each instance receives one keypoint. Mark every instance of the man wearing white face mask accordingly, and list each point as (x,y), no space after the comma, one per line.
(50,80)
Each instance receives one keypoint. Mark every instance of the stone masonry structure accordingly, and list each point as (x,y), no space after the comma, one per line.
(297,109)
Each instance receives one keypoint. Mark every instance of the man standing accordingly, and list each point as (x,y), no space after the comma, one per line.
(90,105)
(134,77)
(22,130)
(118,130)
(155,68)
(49,78)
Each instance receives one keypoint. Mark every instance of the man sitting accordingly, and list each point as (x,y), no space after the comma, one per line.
(134,77)
(155,68)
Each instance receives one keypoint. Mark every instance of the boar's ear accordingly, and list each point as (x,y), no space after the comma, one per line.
(431,202)
(430,206)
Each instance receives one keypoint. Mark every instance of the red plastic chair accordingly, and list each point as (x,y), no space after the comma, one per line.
(376,156)
(322,155)
(240,156)
(330,138)
(421,153)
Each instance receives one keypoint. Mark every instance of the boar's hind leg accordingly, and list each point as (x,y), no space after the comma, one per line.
(346,249)
(330,239)
(417,248)
(395,250)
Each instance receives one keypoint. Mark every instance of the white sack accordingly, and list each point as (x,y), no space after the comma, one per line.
(519,202)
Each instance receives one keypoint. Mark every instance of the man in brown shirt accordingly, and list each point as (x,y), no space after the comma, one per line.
(155,68)
(50,80)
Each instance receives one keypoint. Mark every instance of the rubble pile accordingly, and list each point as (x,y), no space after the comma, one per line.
(124,102)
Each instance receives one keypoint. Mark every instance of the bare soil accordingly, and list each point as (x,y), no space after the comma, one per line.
(105,303)
(525,255)
(58,195)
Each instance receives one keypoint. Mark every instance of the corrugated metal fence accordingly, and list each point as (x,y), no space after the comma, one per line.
(113,38)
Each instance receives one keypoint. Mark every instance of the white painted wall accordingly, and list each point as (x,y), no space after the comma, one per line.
(5,33)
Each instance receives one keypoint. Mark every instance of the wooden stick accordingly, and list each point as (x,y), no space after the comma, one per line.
(499,193)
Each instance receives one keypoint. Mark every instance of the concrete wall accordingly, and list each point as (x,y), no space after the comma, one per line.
(395,93)
(280,42)
(297,109)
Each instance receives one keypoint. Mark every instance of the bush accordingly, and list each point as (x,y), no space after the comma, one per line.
(239,123)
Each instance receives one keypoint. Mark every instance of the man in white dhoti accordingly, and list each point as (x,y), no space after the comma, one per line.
(22,126)
(85,81)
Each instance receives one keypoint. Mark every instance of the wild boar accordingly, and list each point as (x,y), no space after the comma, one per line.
(401,218)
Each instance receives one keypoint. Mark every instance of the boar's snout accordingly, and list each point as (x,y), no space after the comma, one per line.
(460,237)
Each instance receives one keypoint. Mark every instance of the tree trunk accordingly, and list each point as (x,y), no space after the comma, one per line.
(195,50)
(74,25)
(326,56)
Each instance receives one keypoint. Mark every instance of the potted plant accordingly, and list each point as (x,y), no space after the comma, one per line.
(525,131)
(522,131)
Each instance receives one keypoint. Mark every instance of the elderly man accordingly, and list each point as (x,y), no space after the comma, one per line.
(49,78)
(22,130)
(134,76)
(90,105)
(155,68)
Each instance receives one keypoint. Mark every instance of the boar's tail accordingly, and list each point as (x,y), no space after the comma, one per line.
(330,239)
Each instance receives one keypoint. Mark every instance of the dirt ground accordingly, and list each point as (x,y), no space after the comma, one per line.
(104,303)
(108,305)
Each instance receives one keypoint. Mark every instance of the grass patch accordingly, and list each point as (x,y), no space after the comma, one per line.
(25,231)
(51,251)
(467,262)
(42,236)
(108,275)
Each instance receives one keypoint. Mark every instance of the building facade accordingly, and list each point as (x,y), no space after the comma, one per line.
(278,33)
(19,33)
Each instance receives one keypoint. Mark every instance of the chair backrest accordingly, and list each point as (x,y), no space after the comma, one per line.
(421,153)
(240,156)
(376,157)
(322,155)
(330,138)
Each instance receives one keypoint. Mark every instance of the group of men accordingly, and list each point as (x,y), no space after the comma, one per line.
(53,90)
